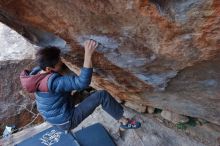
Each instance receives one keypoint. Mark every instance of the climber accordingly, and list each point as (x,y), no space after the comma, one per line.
(53,89)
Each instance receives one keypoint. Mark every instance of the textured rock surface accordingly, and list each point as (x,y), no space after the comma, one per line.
(14,46)
(10,91)
(144,44)
(194,92)
(16,107)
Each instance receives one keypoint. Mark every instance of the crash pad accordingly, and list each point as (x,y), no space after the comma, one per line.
(94,135)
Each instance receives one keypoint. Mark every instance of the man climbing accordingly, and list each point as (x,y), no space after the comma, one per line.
(52,91)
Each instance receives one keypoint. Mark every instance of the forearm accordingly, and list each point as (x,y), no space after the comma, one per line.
(87,61)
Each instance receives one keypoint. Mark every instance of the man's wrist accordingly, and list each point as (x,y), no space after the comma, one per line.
(89,56)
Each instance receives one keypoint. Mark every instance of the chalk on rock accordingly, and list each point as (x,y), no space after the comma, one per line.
(105,43)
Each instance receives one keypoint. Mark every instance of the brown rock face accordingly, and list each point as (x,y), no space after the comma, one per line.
(12,97)
(16,107)
(145,43)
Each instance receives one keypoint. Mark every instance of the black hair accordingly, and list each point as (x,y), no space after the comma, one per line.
(48,57)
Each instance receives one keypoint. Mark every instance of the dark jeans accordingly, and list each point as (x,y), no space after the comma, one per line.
(88,105)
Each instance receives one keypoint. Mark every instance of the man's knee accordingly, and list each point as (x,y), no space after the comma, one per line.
(103,93)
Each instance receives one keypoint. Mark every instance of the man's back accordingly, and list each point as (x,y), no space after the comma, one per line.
(52,92)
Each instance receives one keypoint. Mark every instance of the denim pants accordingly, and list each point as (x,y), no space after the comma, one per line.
(89,104)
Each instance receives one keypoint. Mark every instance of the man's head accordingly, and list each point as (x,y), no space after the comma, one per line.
(49,59)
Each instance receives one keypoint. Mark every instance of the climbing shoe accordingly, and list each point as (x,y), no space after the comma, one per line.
(131,124)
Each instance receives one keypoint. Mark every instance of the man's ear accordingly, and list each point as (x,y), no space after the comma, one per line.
(48,69)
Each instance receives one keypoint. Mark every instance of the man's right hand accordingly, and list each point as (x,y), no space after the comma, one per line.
(90,46)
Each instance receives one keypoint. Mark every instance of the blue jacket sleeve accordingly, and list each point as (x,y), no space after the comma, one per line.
(70,83)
